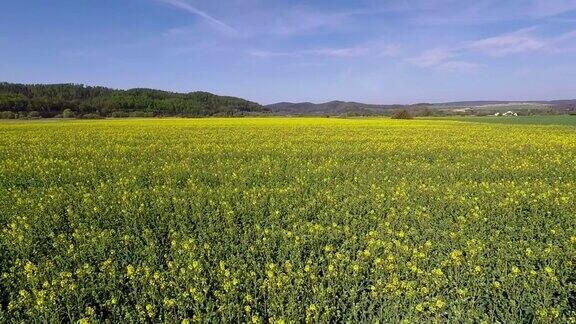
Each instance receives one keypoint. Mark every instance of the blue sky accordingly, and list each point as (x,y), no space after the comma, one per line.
(403,51)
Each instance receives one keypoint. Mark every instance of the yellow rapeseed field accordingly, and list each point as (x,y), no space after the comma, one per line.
(287,220)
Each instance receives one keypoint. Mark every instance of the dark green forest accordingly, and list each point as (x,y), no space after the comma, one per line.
(75,100)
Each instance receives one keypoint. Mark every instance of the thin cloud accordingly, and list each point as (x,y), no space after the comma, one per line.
(522,41)
(217,23)
(376,49)
(454,12)
(443,60)
(432,57)
(518,42)
(458,66)
(304,20)
(342,52)
(301,20)
(268,54)
(392,50)
(324,52)
(512,43)
(565,42)
(545,8)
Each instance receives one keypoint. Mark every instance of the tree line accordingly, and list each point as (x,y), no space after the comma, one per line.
(76,100)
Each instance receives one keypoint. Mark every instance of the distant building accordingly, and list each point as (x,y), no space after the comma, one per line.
(509,113)
(461,110)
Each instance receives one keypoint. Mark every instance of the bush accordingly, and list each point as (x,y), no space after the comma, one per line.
(138,113)
(33,114)
(119,114)
(7,115)
(402,114)
(68,113)
(91,116)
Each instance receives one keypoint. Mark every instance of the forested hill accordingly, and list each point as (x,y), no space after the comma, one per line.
(38,100)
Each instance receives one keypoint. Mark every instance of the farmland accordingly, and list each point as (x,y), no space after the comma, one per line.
(287,219)
(567,120)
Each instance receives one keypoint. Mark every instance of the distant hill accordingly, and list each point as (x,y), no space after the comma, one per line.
(335,108)
(330,108)
(570,102)
(472,103)
(490,103)
(76,100)
(53,99)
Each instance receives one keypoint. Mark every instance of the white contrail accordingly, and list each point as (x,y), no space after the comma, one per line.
(212,20)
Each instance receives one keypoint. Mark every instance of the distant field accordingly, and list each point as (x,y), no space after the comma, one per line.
(522,120)
(287,220)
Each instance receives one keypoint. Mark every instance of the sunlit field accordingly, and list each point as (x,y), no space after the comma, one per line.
(287,220)
(567,120)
